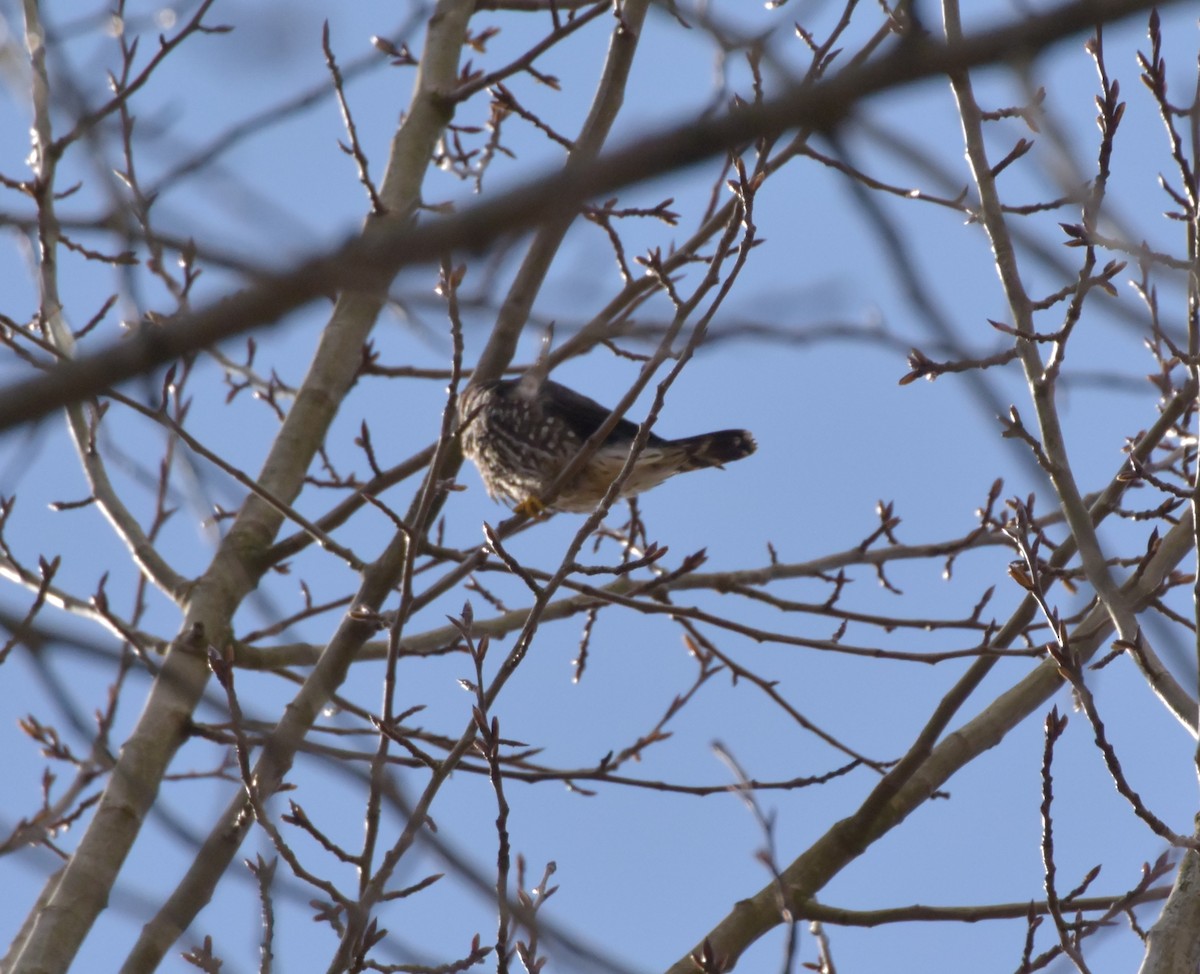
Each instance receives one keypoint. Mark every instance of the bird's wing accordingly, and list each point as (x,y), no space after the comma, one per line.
(585,415)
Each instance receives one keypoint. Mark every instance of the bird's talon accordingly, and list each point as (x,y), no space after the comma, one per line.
(531,507)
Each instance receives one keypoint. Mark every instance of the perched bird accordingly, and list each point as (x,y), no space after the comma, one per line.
(521,433)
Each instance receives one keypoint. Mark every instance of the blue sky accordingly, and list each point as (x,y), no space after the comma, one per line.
(642,875)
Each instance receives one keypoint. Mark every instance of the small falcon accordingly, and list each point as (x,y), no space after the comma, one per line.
(521,433)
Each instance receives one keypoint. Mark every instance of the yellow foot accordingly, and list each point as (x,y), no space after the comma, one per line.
(533,508)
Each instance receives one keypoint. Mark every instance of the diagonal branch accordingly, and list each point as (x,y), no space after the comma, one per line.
(373,257)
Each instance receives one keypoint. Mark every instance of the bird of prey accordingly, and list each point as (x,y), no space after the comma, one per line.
(521,433)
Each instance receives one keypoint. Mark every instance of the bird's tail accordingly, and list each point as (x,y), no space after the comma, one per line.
(716,449)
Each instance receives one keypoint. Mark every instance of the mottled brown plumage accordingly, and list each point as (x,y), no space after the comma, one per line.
(521,433)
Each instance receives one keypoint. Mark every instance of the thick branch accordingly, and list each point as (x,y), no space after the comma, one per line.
(375,256)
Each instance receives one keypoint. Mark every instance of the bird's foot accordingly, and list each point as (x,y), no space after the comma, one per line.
(532,508)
